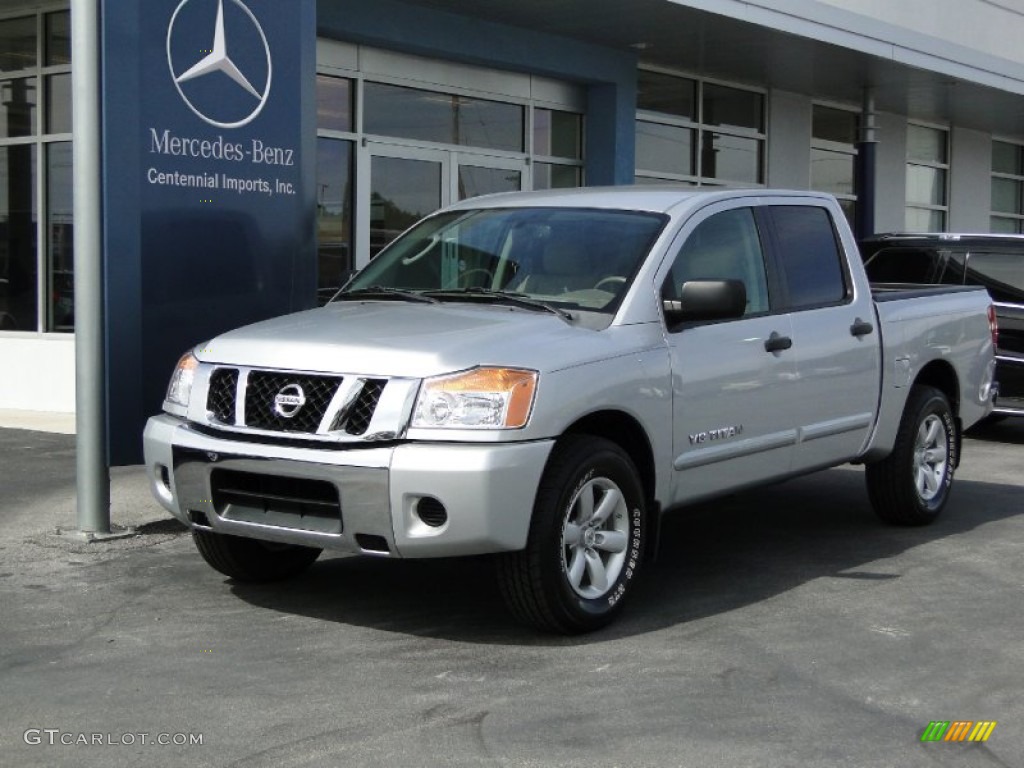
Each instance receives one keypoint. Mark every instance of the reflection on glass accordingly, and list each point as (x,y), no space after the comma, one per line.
(733,108)
(1004,226)
(1006,196)
(550,176)
(60,238)
(731,158)
(445,118)
(333,215)
(18,101)
(1006,158)
(474,181)
(58,38)
(838,125)
(58,103)
(926,144)
(401,192)
(333,103)
(665,93)
(557,134)
(925,220)
(926,186)
(17,43)
(664,148)
(832,172)
(18,238)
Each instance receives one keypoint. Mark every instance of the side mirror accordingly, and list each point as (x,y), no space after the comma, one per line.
(704,300)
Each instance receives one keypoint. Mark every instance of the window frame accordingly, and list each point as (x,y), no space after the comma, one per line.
(944,167)
(1016,178)
(839,148)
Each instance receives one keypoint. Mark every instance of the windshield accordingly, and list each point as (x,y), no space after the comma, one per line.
(569,258)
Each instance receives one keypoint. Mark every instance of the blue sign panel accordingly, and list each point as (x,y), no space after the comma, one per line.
(209,183)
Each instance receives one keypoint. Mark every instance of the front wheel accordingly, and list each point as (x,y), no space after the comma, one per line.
(911,485)
(251,559)
(585,542)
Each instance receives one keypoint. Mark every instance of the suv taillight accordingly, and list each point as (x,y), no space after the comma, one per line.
(993,326)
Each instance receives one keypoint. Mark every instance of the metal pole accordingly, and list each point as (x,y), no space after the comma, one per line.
(93,470)
(864,224)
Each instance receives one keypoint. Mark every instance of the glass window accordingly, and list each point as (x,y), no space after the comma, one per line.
(17,44)
(926,185)
(725,246)
(445,118)
(832,171)
(1007,188)
(557,133)
(673,147)
(18,102)
(58,38)
(665,148)
(810,255)
(18,217)
(838,125)
(60,237)
(926,144)
(667,94)
(58,103)
(550,176)
(903,265)
(927,178)
(733,108)
(731,158)
(333,214)
(334,103)
(402,191)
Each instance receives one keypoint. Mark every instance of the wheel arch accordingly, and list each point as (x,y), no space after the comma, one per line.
(941,375)
(625,431)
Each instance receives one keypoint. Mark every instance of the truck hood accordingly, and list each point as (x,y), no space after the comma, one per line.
(410,340)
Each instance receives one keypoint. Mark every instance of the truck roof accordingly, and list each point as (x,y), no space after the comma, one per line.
(653,198)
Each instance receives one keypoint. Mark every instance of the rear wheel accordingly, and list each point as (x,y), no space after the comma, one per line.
(585,542)
(911,485)
(253,560)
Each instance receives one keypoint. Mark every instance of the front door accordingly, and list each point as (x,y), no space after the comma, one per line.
(733,381)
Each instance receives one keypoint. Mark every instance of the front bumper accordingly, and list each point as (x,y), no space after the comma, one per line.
(280,493)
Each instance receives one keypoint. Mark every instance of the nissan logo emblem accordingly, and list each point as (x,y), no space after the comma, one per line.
(289,401)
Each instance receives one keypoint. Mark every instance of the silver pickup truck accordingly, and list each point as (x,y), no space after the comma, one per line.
(542,376)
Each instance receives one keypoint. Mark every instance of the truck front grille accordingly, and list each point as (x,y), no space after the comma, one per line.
(220,402)
(288,402)
(356,420)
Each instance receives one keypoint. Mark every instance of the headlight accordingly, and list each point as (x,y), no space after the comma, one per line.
(180,388)
(483,398)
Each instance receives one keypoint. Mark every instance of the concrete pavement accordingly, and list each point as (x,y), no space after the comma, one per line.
(780,627)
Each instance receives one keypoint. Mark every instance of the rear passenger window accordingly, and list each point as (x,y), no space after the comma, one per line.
(809,256)
(1001,273)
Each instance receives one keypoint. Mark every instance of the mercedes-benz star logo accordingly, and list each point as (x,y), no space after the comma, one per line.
(218,60)
(289,401)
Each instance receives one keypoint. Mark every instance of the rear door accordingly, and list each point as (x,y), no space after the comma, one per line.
(836,347)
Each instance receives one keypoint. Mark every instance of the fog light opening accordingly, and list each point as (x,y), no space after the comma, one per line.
(431,511)
(198,518)
(165,476)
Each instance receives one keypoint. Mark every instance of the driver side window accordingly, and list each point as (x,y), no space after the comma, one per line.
(725,246)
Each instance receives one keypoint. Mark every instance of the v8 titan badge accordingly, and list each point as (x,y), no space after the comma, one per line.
(219,60)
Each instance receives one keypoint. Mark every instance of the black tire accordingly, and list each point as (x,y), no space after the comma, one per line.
(911,485)
(253,560)
(589,521)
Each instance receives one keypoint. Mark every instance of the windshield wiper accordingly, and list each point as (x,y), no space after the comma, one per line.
(383,292)
(499,297)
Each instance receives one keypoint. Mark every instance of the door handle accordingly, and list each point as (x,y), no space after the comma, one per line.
(777,343)
(861,328)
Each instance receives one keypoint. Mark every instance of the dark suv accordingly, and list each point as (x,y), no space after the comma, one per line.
(994,261)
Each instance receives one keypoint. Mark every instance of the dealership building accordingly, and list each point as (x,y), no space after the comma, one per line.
(363,116)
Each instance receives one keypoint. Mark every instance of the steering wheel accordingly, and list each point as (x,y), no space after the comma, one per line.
(462,281)
(610,280)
